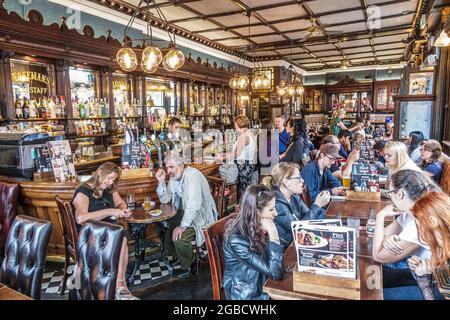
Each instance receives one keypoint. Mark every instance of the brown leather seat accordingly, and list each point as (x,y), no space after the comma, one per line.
(8,209)
(68,223)
(445,176)
(306,197)
(214,243)
(98,253)
(25,253)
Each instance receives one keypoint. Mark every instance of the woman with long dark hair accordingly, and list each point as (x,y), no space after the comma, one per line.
(415,138)
(252,249)
(295,149)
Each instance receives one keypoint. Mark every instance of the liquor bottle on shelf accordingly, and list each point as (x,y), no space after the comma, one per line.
(44,108)
(62,104)
(75,108)
(33,110)
(52,108)
(26,108)
(82,110)
(19,111)
(103,110)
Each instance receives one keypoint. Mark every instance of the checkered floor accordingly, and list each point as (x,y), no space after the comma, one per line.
(53,274)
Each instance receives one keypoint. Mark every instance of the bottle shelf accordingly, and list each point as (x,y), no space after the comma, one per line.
(37,119)
(92,135)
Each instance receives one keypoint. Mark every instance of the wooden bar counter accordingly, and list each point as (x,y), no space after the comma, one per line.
(37,199)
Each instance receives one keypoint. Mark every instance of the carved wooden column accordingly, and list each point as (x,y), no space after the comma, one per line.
(106,92)
(6,91)
(62,82)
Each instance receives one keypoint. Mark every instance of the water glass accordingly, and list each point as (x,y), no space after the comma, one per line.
(130,201)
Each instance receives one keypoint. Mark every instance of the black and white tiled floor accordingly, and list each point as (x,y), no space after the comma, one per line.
(148,272)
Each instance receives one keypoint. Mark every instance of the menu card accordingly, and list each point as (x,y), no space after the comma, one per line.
(325,249)
(62,160)
(366,150)
(365,177)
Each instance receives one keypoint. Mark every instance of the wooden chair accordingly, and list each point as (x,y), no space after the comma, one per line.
(214,243)
(445,176)
(306,197)
(69,227)
(217,186)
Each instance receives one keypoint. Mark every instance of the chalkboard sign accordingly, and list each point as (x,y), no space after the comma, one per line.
(133,155)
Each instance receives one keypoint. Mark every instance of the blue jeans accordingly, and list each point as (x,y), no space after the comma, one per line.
(403,293)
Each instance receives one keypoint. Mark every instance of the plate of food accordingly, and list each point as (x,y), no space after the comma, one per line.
(155,212)
(308,239)
(335,261)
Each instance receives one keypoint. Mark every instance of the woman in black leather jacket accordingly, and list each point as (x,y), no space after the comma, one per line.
(288,184)
(295,149)
(252,250)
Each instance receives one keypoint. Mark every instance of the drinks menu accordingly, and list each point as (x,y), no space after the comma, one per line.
(325,249)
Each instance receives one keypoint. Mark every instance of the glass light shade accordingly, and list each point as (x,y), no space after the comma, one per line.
(265,82)
(291,90)
(300,90)
(257,82)
(281,91)
(234,83)
(243,82)
(173,60)
(151,58)
(127,59)
(443,40)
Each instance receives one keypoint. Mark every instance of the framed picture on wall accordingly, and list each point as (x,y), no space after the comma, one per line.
(274,99)
(421,83)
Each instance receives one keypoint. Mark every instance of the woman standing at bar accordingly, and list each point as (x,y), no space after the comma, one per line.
(430,154)
(288,185)
(252,249)
(98,199)
(245,150)
(294,151)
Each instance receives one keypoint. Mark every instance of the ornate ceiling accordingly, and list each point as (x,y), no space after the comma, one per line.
(313,35)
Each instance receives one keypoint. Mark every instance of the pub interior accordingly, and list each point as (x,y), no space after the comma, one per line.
(231,150)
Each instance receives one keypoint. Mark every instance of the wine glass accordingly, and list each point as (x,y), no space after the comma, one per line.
(130,201)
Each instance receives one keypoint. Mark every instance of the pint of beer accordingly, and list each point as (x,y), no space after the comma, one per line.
(346,182)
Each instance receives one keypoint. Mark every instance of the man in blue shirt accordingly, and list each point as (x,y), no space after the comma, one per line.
(344,137)
(283,135)
(317,174)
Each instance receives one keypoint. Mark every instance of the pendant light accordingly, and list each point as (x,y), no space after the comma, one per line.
(127,59)
(151,56)
(443,40)
(174,58)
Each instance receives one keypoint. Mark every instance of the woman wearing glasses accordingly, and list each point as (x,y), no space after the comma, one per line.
(252,249)
(288,185)
(399,240)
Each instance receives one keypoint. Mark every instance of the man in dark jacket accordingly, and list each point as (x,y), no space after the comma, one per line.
(317,174)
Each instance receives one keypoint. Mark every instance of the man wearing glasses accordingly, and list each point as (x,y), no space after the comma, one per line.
(317,174)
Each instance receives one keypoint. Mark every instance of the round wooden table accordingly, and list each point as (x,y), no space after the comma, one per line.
(137,223)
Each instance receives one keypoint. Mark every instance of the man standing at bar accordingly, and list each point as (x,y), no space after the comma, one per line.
(189,192)
(283,135)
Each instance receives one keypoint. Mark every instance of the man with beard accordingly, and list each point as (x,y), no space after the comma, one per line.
(188,190)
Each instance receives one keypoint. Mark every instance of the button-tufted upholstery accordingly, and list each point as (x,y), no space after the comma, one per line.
(98,252)
(25,253)
(69,227)
(8,208)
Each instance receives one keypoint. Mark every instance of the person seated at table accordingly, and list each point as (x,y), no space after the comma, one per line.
(396,156)
(189,192)
(431,155)
(413,143)
(379,151)
(317,174)
(345,170)
(288,184)
(345,147)
(295,148)
(432,216)
(399,240)
(98,199)
(251,248)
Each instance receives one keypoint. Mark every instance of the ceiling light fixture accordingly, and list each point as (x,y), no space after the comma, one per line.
(442,41)
(152,56)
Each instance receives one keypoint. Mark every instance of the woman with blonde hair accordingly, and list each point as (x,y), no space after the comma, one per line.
(397,158)
(98,199)
(288,185)
(431,162)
